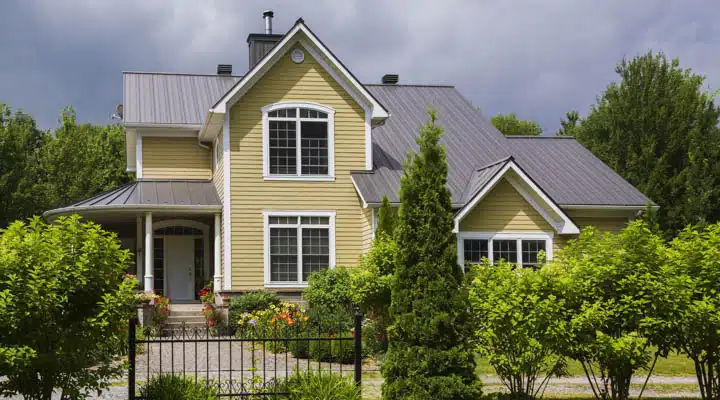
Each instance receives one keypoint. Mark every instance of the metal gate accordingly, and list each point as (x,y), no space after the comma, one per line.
(239,367)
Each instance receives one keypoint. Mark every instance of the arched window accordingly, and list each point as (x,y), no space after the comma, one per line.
(298,141)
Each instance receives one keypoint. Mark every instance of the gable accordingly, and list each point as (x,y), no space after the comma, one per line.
(504,210)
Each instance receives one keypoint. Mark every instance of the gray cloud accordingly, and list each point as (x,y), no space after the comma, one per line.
(536,58)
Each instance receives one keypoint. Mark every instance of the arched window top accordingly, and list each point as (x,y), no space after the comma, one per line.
(298,109)
(177,230)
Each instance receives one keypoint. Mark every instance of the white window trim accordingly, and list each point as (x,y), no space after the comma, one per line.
(490,236)
(266,140)
(266,242)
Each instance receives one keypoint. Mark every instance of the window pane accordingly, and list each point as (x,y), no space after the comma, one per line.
(290,113)
(505,249)
(314,150)
(283,159)
(283,220)
(530,250)
(283,255)
(315,250)
(475,250)
(273,113)
(315,220)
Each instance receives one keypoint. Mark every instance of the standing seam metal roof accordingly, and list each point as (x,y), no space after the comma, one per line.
(565,170)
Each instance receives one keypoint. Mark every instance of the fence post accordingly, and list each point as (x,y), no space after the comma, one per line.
(358,347)
(131,357)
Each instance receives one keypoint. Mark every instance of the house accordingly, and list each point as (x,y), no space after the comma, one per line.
(258,180)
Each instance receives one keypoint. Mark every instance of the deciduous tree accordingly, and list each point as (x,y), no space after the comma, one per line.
(510,125)
(64,303)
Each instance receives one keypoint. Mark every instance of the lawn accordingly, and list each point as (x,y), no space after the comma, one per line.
(673,365)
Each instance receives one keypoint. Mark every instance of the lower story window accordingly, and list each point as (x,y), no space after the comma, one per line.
(297,246)
(521,251)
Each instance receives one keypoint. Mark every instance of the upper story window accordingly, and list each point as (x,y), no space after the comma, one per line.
(218,152)
(298,141)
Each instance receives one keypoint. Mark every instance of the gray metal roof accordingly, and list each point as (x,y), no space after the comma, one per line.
(571,174)
(481,177)
(171,99)
(150,194)
(562,167)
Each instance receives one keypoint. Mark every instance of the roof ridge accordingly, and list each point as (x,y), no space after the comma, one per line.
(539,137)
(410,85)
(500,161)
(180,74)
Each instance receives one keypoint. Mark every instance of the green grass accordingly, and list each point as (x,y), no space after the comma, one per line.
(673,365)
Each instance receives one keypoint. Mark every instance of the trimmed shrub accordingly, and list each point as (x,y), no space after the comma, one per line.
(333,350)
(329,320)
(173,387)
(331,289)
(250,302)
(312,386)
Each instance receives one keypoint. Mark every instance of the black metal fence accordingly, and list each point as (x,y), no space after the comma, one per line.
(240,367)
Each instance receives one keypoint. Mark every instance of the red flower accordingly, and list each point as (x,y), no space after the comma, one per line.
(211,323)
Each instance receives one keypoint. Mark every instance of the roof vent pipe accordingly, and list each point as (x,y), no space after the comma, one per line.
(268,16)
(390,79)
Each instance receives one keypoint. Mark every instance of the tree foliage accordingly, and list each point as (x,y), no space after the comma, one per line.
(695,258)
(386,219)
(429,356)
(517,319)
(510,125)
(41,170)
(568,124)
(64,303)
(658,129)
(618,296)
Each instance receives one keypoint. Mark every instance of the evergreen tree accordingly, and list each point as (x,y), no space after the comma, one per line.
(387,218)
(429,355)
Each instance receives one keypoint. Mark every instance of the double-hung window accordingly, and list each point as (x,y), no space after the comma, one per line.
(520,249)
(298,244)
(298,141)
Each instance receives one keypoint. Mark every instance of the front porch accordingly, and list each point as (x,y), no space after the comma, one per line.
(173,228)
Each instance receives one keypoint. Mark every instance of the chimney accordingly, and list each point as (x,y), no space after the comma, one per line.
(259,44)
(390,79)
(224,69)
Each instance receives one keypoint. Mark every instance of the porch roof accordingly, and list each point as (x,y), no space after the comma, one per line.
(150,195)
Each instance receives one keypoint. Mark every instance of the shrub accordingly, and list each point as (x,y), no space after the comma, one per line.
(331,289)
(618,297)
(695,259)
(250,302)
(333,350)
(321,386)
(284,320)
(173,387)
(430,356)
(162,311)
(515,323)
(64,306)
(322,319)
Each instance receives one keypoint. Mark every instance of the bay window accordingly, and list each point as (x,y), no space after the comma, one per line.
(298,244)
(298,142)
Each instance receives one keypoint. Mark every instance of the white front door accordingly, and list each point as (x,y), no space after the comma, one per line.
(180,267)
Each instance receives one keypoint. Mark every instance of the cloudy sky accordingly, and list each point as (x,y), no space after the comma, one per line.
(536,58)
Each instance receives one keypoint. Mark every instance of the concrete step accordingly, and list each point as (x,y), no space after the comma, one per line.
(185,313)
(186,318)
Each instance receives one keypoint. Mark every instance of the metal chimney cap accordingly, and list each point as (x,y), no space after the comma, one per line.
(224,69)
(268,13)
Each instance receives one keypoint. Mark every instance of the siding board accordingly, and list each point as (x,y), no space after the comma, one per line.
(174,158)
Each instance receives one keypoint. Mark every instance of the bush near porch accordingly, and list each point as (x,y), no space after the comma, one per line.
(65,303)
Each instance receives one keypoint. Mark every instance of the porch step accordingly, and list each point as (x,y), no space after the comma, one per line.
(189,319)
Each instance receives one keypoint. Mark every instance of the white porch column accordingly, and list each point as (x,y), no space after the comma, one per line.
(148,253)
(217,278)
(139,248)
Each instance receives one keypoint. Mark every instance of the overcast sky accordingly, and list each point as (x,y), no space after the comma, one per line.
(536,58)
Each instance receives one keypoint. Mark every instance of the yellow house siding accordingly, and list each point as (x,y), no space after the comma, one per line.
(367,232)
(504,210)
(174,158)
(251,194)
